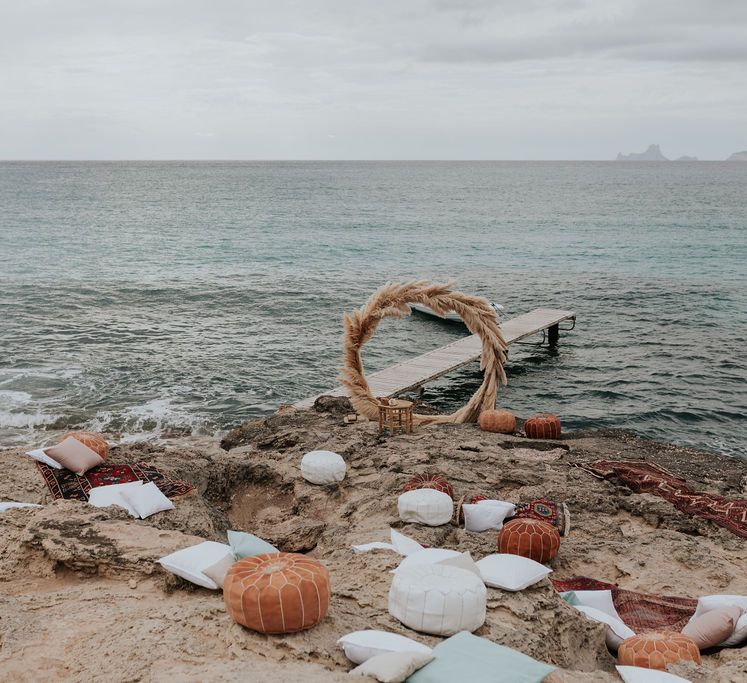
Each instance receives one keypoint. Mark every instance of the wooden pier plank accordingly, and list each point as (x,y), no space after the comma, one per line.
(410,374)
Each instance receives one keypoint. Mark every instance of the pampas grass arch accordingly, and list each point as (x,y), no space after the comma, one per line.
(393,300)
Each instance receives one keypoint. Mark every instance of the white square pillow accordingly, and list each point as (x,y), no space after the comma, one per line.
(392,667)
(360,646)
(147,500)
(462,561)
(8,505)
(511,572)
(41,456)
(217,572)
(190,563)
(487,514)
(104,496)
(618,626)
(427,556)
(637,674)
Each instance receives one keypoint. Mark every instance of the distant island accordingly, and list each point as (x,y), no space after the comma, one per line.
(653,153)
(686,158)
(738,156)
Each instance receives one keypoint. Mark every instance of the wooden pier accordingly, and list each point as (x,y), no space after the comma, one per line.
(413,373)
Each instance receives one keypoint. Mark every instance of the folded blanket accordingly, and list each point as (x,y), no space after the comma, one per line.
(545,510)
(639,611)
(66,484)
(643,477)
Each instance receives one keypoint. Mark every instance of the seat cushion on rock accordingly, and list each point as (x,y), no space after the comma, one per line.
(437,599)
(362,645)
(511,572)
(539,541)
(425,506)
(277,592)
(498,421)
(191,562)
(74,455)
(10,505)
(248,545)
(713,627)
(217,571)
(40,455)
(711,602)
(94,441)
(543,426)
(486,515)
(323,467)
(105,496)
(465,657)
(392,667)
(636,674)
(147,500)
(430,481)
(426,556)
(657,650)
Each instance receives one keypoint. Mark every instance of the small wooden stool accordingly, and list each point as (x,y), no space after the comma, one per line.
(395,415)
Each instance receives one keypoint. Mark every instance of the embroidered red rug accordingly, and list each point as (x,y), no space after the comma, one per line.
(640,611)
(66,484)
(643,477)
(545,510)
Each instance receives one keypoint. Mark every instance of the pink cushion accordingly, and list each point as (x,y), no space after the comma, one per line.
(711,628)
(74,455)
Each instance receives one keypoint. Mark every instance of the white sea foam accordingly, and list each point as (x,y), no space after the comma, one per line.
(21,420)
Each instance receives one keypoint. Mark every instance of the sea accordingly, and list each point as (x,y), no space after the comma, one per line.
(152,299)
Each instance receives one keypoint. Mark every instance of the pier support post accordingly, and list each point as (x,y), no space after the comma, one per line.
(553,332)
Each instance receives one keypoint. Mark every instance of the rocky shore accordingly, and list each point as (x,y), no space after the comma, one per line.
(82,597)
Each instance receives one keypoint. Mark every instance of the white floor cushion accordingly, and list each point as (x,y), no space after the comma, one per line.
(189,563)
(362,645)
(7,505)
(404,544)
(147,500)
(637,674)
(323,467)
(41,456)
(487,514)
(711,602)
(618,626)
(463,561)
(426,556)
(392,667)
(104,496)
(425,506)
(436,599)
(511,572)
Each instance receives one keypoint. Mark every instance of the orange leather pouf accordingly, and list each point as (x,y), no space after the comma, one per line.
(657,650)
(277,592)
(542,427)
(430,481)
(499,421)
(94,441)
(532,538)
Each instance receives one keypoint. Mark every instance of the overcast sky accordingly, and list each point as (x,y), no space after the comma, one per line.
(376,79)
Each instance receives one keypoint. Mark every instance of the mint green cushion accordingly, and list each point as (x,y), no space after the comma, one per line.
(465,657)
(248,545)
(571,598)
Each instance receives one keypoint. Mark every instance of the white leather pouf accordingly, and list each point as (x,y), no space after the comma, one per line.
(323,467)
(425,506)
(438,599)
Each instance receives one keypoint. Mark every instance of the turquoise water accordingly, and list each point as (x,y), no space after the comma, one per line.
(151,296)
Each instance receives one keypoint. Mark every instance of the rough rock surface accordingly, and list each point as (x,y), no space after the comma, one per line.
(82,598)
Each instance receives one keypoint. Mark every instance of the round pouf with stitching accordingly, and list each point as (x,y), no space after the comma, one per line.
(438,599)
(94,441)
(498,421)
(657,650)
(532,538)
(430,481)
(277,592)
(323,467)
(425,506)
(544,426)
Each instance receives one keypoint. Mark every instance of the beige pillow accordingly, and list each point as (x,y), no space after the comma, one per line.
(217,572)
(74,455)
(712,628)
(392,667)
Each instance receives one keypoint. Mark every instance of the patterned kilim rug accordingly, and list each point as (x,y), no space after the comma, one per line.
(640,611)
(545,510)
(643,477)
(66,484)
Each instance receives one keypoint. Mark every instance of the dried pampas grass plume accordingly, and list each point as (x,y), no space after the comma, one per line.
(393,300)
